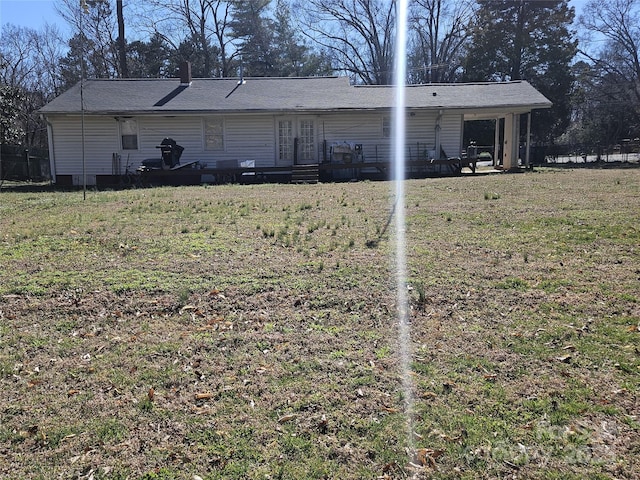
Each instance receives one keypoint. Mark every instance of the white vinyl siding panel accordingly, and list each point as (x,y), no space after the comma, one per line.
(185,130)
(365,129)
(361,128)
(250,137)
(101,141)
(451,134)
(246,137)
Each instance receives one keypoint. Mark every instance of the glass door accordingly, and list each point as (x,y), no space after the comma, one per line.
(285,141)
(296,139)
(306,141)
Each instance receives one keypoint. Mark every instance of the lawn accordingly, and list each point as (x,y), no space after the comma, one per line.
(250,332)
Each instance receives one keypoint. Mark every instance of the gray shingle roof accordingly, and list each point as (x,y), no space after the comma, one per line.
(263,94)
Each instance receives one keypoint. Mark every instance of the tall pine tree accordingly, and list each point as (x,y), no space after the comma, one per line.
(254,30)
(527,40)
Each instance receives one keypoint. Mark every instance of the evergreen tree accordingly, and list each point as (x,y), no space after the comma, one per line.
(190,49)
(530,40)
(79,61)
(149,59)
(293,57)
(11,100)
(255,31)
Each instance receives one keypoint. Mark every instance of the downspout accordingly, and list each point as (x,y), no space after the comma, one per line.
(52,151)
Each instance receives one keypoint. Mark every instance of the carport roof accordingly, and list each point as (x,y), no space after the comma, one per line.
(285,95)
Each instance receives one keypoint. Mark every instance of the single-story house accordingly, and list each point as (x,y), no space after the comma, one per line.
(101,129)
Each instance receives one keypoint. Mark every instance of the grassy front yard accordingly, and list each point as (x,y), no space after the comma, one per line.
(249,331)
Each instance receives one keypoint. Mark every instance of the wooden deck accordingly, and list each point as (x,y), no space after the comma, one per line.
(325,172)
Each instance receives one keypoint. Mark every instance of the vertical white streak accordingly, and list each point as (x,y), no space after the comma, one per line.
(399,133)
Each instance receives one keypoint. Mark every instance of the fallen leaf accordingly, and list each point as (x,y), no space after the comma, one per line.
(287,418)
(203,396)
(429,395)
(150,394)
(390,410)
(73,392)
(426,457)
(202,411)
(564,358)
(389,467)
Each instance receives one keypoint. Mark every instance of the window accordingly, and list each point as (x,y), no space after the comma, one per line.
(214,133)
(386,127)
(129,133)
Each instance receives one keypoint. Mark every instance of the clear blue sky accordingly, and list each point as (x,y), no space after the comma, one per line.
(35,13)
(30,13)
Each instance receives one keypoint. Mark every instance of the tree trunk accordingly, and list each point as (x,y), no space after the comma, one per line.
(122,52)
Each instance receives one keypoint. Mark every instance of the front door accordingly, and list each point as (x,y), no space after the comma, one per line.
(296,141)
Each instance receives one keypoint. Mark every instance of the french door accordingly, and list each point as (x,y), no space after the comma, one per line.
(296,141)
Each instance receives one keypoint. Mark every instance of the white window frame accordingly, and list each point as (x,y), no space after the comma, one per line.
(129,127)
(221,145)
(385,124)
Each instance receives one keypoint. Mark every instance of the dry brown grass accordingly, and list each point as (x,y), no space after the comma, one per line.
(249,331)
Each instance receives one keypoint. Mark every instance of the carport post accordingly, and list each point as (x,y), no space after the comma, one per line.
(527,163)
(496,143)
(511,141)
(507,145)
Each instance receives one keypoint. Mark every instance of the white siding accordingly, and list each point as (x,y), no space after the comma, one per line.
(186,131)
(366,128)
(451,134)
(101,137)
(246,137)
(250,137)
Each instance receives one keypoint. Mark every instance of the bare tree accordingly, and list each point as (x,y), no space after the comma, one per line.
(615,24)
(29,77)
(202,22)
(440,32)
(98,27)
(359,34)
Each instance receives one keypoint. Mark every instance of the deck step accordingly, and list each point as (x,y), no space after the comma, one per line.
(305,174)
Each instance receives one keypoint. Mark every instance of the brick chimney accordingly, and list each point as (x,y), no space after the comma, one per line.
(185,74)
